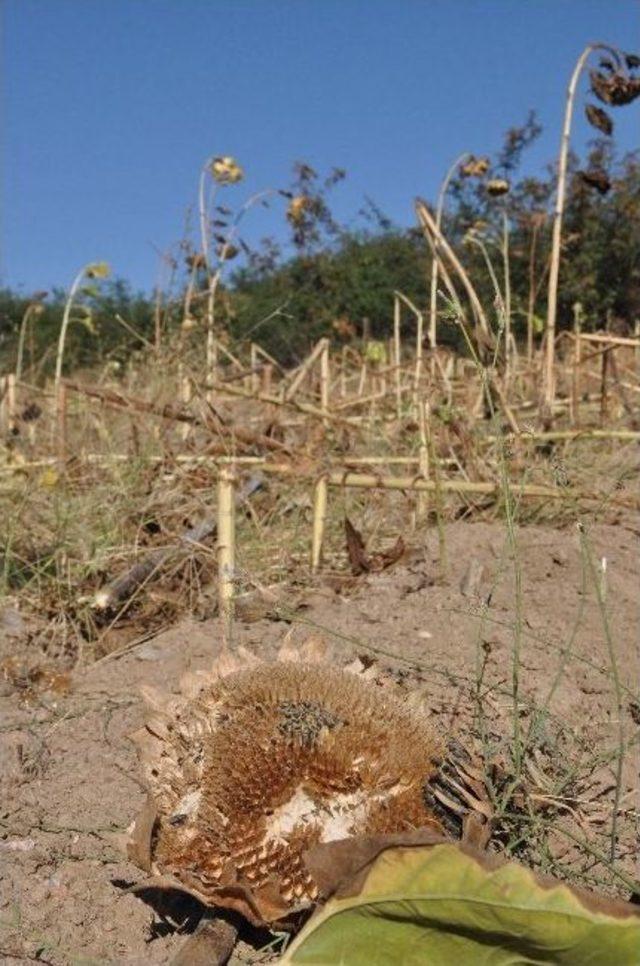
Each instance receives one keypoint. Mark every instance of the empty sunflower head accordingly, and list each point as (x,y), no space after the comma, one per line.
(261,764)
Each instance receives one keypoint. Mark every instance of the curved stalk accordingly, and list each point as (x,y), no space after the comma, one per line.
(30,310)
(65,324)
(554,269)
(433,295)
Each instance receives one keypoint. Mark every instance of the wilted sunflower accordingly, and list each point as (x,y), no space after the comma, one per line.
(226,251)
(474,167)
(616,89)
(226,170)
(249,769)
(497,187)
(98,270)
(196,261)
(297,209)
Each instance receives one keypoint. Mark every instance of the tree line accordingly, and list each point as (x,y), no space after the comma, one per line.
(338,281)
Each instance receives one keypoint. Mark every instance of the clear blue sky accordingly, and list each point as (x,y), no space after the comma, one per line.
(110,108)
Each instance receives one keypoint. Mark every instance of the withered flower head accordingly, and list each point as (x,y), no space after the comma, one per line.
(596,178)
(616,89)
(497,187)
(98,270)
(344,328)
(474,167)
(226,170)
(255,767)
(226,252)
(599,118)
(188,324)
(297,208)
(196,260)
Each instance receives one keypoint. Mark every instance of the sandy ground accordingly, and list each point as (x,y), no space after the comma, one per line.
(69,773)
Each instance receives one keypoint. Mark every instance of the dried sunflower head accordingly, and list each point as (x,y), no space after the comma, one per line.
(226,170)
(474,167)
(615,88)
(497,187)
(225,251)
(98,270)
(297,208)
(258,765)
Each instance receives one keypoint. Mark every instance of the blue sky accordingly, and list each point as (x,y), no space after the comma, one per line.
(110,108)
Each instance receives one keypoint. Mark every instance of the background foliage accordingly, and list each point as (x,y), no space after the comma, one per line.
(335,280)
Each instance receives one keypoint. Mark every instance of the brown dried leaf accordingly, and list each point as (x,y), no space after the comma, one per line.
(380,561)
(360,561)
(597,179)
(599,119)
(355,549)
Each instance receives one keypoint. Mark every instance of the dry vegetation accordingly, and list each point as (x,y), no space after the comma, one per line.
(219,488)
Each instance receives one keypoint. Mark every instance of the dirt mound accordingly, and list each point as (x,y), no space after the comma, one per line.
(71,781)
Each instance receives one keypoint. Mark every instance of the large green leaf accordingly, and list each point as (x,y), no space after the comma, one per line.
(442,904)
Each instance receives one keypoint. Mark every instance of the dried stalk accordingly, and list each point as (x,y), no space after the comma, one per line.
(371,482)
(226,547)
(575,380)
(433,294)
(548,395)
(325,379)
(9,402)
(419,340)
(119,401)
(319,522)
(117,594)
(65,324)
(254,382)
(61,421)
(397,352)
(304,369)
(302,407)
(424,411)
(428,224)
